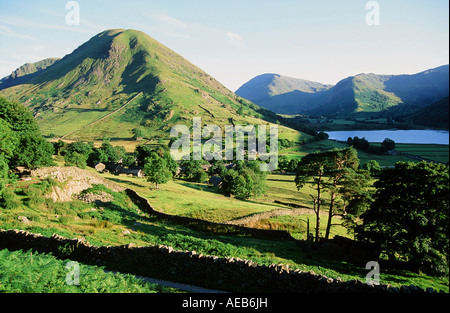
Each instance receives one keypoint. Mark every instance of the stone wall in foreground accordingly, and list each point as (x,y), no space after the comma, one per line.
(231,274)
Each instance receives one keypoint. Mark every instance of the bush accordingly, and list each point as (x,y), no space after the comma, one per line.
(9,200)
(65,220)
(35,197)
(75,159)
(200,176)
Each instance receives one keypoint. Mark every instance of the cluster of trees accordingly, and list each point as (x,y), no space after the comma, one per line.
(244,180)
(406,213)
(285,143)
(287,165)
(21,142)
(82,154)
(364,145)
(409,217)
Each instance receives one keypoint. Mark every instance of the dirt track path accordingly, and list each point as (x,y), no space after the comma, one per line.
(186,287)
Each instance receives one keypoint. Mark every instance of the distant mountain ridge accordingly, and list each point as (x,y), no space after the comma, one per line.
(279,93)
(26,72)
(363,93)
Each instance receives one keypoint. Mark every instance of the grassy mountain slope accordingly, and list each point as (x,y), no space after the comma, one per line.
(123,79)
(435,115)
(396,95)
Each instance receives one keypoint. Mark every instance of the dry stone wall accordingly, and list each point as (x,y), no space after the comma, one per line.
(145,206)
(232,274)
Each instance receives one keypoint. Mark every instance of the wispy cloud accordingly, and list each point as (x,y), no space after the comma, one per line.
(174,27)
(167,25)
(169,20)
(20,22)
(8,32)
(83,22)
(235,39)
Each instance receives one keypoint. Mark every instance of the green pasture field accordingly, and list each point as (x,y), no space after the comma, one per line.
(438,153)
(120,222)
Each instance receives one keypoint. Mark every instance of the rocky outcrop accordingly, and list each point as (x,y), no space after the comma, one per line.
(73,181)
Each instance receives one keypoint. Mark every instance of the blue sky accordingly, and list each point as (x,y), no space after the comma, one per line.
(319,40)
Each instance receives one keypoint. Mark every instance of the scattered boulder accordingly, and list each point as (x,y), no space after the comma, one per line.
(24,220)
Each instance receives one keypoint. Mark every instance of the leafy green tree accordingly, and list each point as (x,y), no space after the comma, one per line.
(358,143)
(200,176)
(334,172)
(388,144)
(340,166)
(292,165)
(58,146)
(77,153)
(321,136)
(30,148)
(409,217)
(111,153)
(228,182)
(237,184)
(156,170)
(8,140)
(137,133)
(311,171)
(141,153)
(79,147)
(4,170)
(245,182)
(107,153)
(217,168)
(373,167)
(75,159)
(190,169)
(243,186)
(172,165)
(33,151)
(350,141)
(356,197)
(283,162)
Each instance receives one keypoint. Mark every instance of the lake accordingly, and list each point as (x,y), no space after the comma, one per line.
(399,136)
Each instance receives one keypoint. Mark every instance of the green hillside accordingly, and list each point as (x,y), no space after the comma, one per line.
(435,115)
(124,79)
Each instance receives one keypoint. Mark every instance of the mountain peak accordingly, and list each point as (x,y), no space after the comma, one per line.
(125,79)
